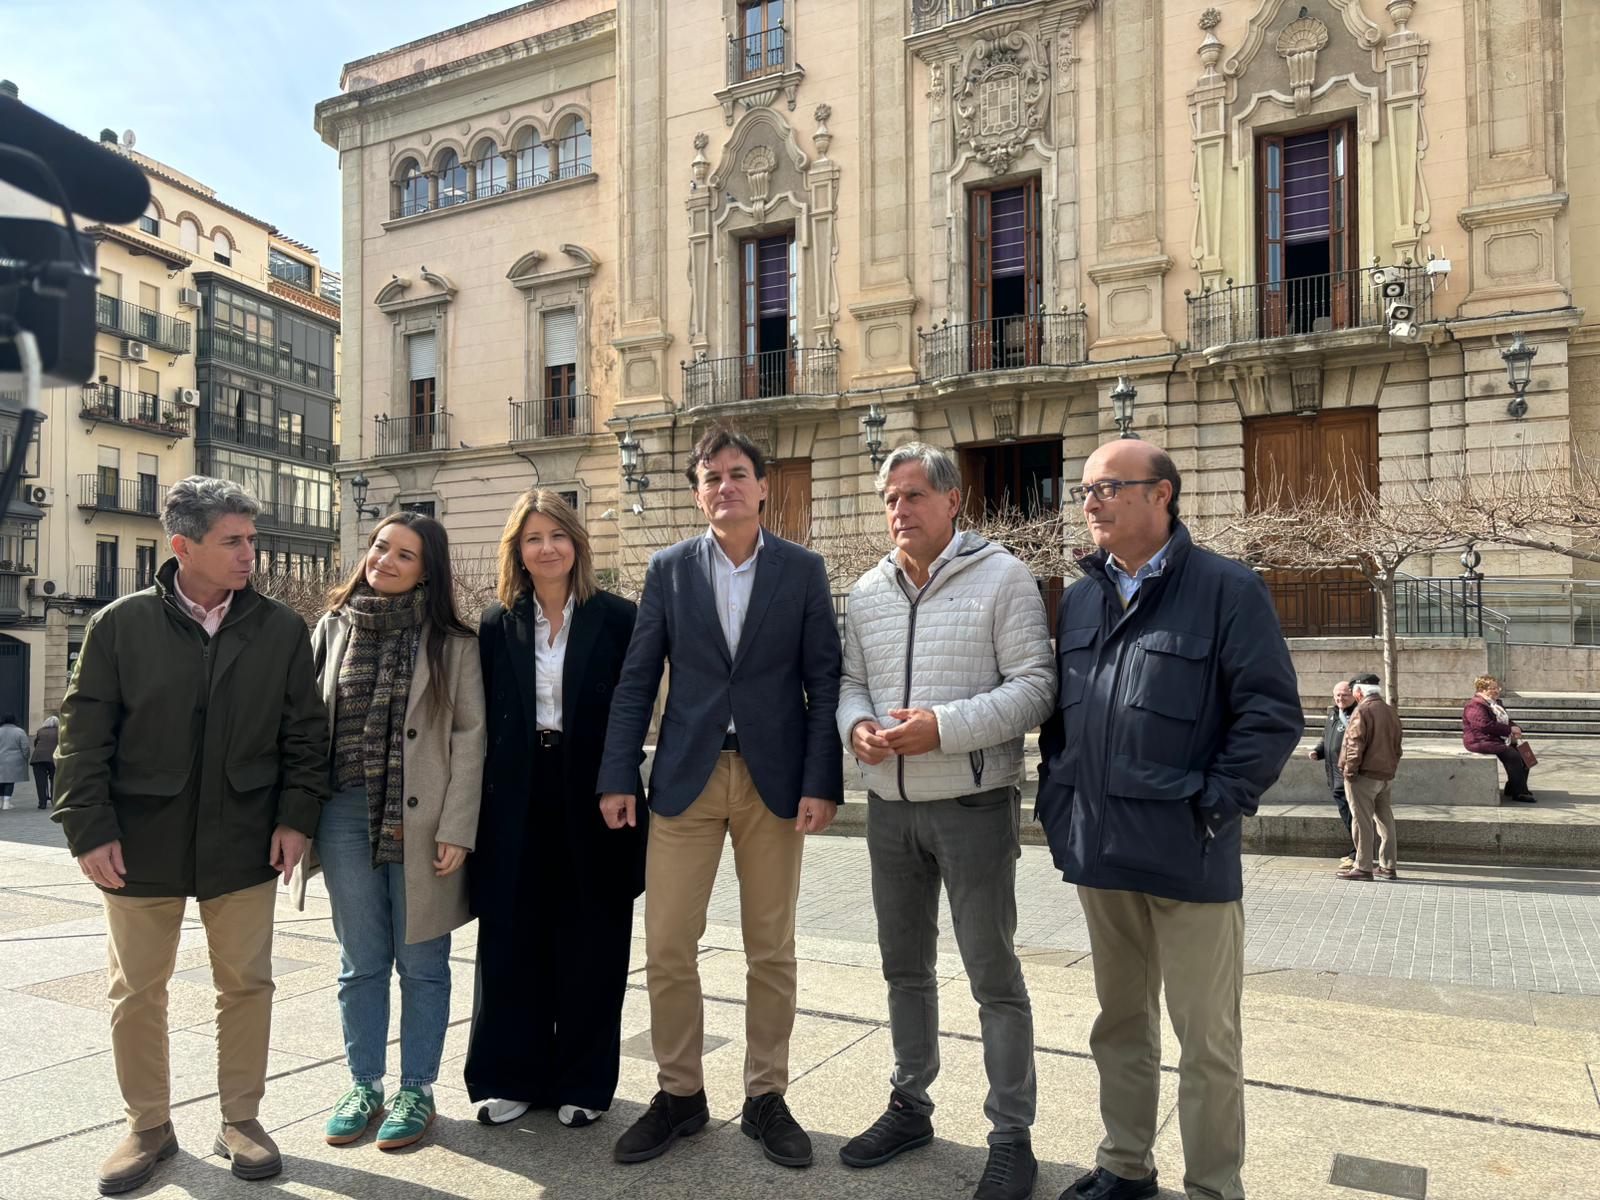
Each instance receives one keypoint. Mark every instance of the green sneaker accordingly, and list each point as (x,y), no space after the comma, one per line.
(408,1119)
(356,1109)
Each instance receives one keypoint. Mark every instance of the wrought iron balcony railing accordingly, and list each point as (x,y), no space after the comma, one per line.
(1310,304)
(141,324)
(1043,339)
(933,14)
(107,583)
(138,497)
(296,517)
(224,427)
(552,417)
(139,410)
(756,54)
(419,433)
(797,371)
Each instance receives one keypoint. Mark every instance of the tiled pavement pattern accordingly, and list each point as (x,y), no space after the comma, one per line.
(1529,929)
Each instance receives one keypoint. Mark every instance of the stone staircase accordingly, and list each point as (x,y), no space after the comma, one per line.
(1549,714)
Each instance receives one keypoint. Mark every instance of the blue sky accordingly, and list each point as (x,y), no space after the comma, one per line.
(223,91)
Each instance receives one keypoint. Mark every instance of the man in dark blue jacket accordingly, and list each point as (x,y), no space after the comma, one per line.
(1178,707)
(747,749)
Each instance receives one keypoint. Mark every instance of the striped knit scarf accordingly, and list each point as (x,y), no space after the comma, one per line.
(370,721)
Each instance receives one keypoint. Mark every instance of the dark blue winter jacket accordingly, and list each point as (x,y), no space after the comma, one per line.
(1173,717)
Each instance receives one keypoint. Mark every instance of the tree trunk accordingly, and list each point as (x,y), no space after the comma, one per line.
(1391,642)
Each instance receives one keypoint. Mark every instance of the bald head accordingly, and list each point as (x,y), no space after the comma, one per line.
(1137,521)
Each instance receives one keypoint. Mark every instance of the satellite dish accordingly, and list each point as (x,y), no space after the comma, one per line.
(128,139)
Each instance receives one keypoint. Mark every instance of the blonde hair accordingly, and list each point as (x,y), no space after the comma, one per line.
(514,580)
(1483,681)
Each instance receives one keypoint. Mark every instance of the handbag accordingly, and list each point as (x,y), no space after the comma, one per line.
(1529,758)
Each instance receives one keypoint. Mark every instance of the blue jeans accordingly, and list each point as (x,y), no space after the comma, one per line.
(369,918)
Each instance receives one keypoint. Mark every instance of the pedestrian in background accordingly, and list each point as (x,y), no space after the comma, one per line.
(947,665)
(551,886)
(14,749)
(44,759)
(398,671)
(1178,708)
(1327,752)
(1486,728)
(1369,761)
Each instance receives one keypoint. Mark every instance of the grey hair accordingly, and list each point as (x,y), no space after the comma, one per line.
(1369,689)
(194,504)
(938,464)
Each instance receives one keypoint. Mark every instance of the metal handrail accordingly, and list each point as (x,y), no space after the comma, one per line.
(764,375)
(141,324)
(1042,339)
(551,416)
(752,55)
(108,584)
(416,434)
(1308,304)
(132,496)
(139,410)
(932,14)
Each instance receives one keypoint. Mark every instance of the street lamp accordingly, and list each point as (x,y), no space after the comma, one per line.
(628,445)
(1519,373)
(1122,400)
(358,490)
(1470,558)
(872,433)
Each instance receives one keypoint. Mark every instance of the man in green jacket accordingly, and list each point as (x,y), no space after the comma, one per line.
(193,761)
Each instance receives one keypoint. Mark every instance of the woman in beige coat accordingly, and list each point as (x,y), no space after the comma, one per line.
(401,679)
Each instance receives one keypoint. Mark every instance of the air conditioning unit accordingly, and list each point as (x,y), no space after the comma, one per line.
(44,587)
(135,351)
(188,397)
(39,495)
(189,297)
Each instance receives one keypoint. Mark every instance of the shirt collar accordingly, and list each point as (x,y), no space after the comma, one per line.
(951,549)
(761,540)
(1157,564)
(193,609)
(566,610)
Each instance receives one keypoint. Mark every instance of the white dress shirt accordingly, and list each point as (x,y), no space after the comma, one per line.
(550,659)
(732,586)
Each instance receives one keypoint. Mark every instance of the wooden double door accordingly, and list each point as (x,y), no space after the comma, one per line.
(1332,455)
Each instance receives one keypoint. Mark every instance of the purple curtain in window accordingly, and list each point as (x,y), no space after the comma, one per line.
(1305,187)
(772,276)
(1007,226)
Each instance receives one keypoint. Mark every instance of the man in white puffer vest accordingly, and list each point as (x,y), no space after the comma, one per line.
(947,665)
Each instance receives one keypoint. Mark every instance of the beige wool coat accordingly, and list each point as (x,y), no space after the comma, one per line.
(443,775)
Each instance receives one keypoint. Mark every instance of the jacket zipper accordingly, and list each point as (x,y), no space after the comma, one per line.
(911,646)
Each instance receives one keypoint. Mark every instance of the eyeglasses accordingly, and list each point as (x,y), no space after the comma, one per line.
(1104,489)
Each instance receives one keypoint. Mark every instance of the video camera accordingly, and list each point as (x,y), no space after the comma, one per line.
(47,270)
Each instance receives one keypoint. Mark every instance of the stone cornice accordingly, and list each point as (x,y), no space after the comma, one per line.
(1132,268)
(1518,208)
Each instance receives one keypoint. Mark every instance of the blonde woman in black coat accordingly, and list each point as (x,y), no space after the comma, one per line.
(551,886)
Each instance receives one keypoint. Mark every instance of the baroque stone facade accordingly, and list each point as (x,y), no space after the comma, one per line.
(977,216)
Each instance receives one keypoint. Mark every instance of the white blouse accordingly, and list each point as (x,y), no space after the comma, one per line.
(550,661)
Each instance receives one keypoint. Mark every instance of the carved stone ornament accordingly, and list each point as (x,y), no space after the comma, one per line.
(758,164)
(1000,103)
(822,138)
(1210,19)
(1299,43)
(1400,14)
(700,165)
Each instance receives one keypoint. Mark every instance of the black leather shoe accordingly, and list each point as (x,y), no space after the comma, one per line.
(666,1120)
(1009,1173)
(1101,1184)
(901,1128)
(768,1120)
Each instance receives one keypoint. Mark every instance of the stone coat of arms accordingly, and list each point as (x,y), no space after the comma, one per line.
(1000,100)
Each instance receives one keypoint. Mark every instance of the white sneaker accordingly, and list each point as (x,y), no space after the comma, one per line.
(7,802)
(574,1117)
(502,1112)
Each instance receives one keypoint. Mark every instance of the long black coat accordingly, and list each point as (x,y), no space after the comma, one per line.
(596,645)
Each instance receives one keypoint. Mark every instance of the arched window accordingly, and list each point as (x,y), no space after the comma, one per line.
(189,235)
(452,180)
(222,248)
(413,189)
(574,153)
(490,170)
(151,221)
(533,159)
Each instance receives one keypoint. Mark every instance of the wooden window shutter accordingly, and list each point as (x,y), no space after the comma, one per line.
(1270,220)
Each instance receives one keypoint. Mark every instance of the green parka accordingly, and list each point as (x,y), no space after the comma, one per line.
(191,749)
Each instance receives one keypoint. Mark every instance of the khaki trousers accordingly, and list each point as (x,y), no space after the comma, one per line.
(1141,944)
(680,869)
(1369,806)
(142,946)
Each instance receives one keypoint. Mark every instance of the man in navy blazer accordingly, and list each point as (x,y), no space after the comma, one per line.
(747,748)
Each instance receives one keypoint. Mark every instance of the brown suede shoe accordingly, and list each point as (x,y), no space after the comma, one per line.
(254,1154)
(135,1158)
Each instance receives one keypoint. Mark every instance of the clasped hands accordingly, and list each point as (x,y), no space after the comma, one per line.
(917,733)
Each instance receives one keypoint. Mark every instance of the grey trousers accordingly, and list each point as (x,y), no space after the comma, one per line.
(971,845)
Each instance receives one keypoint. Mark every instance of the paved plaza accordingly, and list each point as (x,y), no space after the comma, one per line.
(1437,1037)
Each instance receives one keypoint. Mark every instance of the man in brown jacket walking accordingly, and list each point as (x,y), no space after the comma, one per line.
(1368,760)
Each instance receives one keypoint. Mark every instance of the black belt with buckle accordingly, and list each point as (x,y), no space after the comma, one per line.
(549,739)
(730,744)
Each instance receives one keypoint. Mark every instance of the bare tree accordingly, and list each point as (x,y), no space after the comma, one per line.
(1547,501)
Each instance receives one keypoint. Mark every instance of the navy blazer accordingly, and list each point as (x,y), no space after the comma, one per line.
(781,687)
